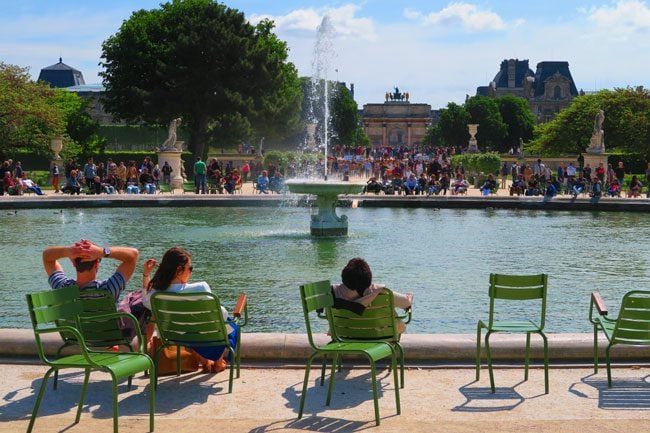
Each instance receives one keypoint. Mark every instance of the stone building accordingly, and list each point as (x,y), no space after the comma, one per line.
(397,121)
(548,90)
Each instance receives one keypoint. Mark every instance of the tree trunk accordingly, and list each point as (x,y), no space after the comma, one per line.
(199,137)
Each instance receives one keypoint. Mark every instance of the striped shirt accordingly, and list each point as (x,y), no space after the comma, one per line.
(115,284)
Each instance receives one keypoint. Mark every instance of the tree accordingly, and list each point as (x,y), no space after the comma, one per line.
(28,116)
(79,125)
(453,125)
(519,121)
(626,126)
(491,131)
(344,117)
(201,61)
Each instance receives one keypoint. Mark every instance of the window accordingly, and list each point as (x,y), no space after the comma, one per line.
(557,92)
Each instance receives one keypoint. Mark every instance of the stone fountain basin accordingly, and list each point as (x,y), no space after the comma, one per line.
(324,188)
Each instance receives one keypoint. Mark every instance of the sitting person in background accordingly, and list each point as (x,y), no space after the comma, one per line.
(147,181)
(372,186)
(460,185)
(30,185)
(434,186)
(411,185)
(357,287)
(263,182)
(489,185)
(444,183)
(579,186)
(614,189)
(276,183)
(533,187)
(72,184)
(132,188)
(551,189)
(634,188)
(422,184)
(172,276)
(518,185)
(596,189)
(108,185)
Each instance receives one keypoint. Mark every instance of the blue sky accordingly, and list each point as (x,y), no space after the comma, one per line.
(438,51)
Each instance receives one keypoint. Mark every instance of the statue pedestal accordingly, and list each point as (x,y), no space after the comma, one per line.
(594,159)
(173,158)
(473,146)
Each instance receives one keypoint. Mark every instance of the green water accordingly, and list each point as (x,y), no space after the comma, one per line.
(443,256)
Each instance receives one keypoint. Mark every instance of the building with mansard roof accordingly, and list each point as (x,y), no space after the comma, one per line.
(548,90)
(61,75)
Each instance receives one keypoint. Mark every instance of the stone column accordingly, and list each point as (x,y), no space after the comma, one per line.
(383,135)
(408,135)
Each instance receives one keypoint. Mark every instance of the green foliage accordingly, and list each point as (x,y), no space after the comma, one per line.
(491,131)
(201,61)
(344,117)
(453,125)
(29,117)
(81,129)
(283,158)
(519,120)
(475,163)
(626,126)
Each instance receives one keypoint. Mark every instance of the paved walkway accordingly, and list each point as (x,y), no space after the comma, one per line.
(266,400)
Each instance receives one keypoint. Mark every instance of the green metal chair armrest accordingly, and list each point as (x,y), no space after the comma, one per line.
(72,330)
(240,311)
(599,304)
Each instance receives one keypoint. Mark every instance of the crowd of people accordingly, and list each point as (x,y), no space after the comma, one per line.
(418,170)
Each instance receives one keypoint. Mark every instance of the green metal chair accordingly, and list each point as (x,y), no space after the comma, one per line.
(377,323)
(631,327)
(191,319)
(102,333)
(165,188)
(316,296)
(49,307)
(514,288)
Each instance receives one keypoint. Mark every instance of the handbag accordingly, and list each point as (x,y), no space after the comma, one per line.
(167,358)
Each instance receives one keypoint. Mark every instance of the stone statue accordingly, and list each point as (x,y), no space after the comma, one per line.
(597,142)
(171,142)
(598,121)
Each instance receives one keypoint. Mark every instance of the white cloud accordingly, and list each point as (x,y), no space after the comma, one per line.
(467,15)
(624,18)
(344,21)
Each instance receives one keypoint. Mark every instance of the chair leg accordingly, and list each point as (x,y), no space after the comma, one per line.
(238,351)
(401,364)
(478,352)
(397,400)
(335,361)
(115,414)
(37,405)
(304,385)
(595,349)
(232,375)
(83,395)
(545,362)
(489,360)
(527,357)
(322,371)
(375,394)
(609,369)
(152,397)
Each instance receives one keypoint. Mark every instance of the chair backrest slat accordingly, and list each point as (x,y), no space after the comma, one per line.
(315,296)
(376,323)
(518,288)
(189,318)
(633,323)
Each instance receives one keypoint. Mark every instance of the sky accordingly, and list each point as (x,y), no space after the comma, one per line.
(438,51)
